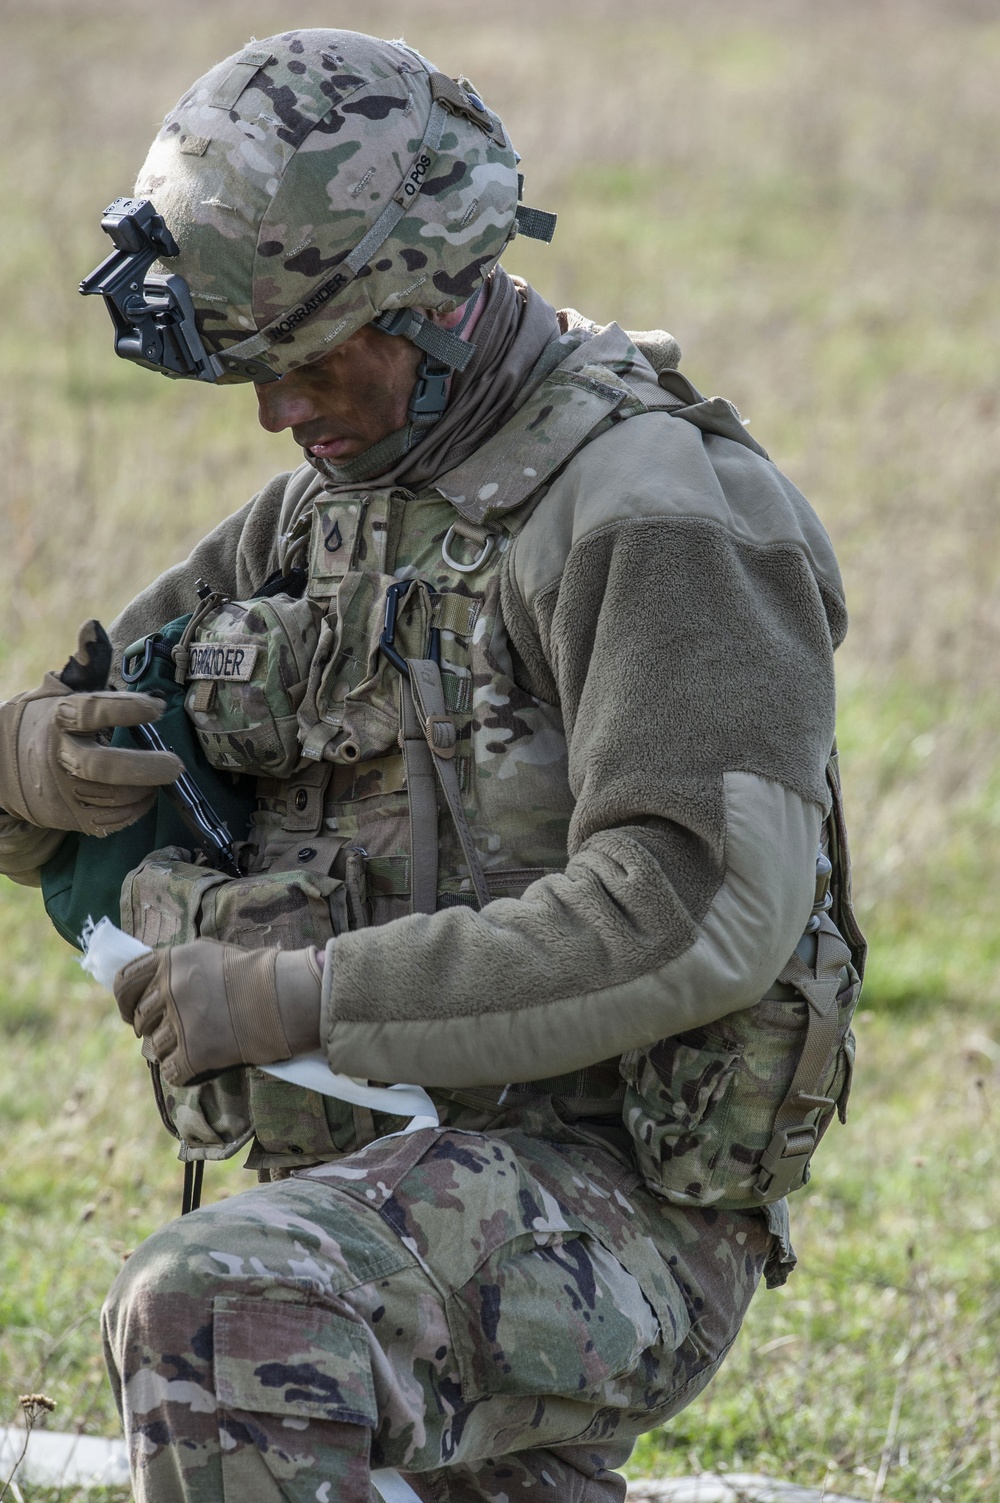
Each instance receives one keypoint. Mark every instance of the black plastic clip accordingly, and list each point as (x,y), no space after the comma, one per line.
(137,658)
(429,397)
(393,594)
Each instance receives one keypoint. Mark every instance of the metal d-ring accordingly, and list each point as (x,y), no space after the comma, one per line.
(477,563)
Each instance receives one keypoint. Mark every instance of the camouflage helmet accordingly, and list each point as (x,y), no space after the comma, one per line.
(310,184)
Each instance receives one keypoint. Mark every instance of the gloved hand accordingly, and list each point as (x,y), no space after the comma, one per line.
(54,773)
(206,1006)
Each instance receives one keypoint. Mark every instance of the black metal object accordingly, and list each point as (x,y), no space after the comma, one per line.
(194,1173)
(153,313)
(392,596)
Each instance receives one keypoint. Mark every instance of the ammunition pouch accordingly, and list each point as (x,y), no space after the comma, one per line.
(729,1116)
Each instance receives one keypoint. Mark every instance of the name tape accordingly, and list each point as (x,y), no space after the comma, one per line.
(233,662)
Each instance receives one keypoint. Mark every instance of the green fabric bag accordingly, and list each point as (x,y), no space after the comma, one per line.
(84,878)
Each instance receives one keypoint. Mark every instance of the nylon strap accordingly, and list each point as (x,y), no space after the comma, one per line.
(181,654)
(785,1160)
(438,733)
(392,1488)
(535,224)
(422,794)
(441,344)
(595,1091)
(326,292)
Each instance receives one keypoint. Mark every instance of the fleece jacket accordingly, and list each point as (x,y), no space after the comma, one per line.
(675,596)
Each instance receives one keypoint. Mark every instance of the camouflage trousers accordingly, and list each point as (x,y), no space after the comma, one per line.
(491,1314)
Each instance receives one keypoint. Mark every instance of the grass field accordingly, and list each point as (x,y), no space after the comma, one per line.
(807,197)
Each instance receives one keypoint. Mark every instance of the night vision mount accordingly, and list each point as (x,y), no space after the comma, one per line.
(153,314)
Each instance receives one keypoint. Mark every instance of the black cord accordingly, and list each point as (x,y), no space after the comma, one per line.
(194,1173)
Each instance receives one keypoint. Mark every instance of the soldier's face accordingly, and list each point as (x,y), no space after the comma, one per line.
(341,405)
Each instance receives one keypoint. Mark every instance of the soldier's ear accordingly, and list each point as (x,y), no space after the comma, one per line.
(449,319)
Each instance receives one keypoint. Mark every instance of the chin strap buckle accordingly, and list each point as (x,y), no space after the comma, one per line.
(429,397)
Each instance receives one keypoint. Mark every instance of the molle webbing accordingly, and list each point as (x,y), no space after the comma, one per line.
(785,1161)
(422,797)
(597,1091)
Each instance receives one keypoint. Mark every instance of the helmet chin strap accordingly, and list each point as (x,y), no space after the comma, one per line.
(445,352)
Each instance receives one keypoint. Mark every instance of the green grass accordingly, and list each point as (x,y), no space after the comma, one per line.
(897,1297)
(807,197)
(883,1345)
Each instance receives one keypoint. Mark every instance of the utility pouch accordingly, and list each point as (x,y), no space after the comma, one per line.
(729,1116)
(350,710)
(168,900)
(248,665)
(212,1120)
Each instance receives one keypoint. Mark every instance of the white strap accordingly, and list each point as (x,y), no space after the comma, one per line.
(392,1488)
(107,948)
(313,1072)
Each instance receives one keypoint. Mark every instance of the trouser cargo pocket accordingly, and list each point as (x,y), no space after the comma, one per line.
(297,1401)
(596,1321)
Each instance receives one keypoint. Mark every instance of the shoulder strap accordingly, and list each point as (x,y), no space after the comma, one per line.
(428,737)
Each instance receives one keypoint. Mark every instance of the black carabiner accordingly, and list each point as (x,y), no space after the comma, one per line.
(392,595)
(132,675)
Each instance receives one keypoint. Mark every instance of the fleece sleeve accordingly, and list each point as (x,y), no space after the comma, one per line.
(236,557)
(671,596)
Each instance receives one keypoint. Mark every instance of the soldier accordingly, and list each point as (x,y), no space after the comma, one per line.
(531,662)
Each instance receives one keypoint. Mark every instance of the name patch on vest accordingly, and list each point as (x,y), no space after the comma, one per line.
(230,661)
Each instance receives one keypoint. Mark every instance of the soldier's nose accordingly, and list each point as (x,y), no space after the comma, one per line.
(280,405)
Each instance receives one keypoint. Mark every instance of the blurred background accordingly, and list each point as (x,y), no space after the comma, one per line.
(807,197)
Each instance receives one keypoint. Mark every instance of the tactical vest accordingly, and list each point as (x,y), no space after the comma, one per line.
(401,768)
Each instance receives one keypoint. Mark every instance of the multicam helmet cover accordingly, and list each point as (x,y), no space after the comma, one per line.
(319,179)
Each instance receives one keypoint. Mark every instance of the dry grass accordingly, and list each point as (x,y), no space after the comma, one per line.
(807,196)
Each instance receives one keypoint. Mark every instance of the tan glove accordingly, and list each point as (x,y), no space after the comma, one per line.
(205,1006)
(54,773)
